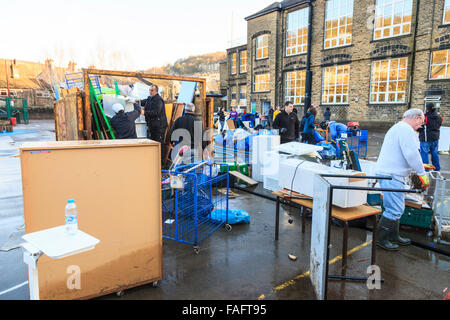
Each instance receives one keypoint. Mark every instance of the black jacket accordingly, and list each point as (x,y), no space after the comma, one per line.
(124,125)
(221,115)
(155,112)
(433,122)
(188,122)
(290,123)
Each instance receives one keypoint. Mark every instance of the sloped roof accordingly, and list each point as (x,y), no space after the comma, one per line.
(273,7)
(277,6)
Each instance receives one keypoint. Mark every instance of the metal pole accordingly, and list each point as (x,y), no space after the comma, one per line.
(308,80)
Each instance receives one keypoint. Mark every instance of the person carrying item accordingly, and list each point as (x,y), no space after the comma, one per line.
(399,154)
(307,125)
(233,116)
(155,116)
(287,123)
(123,122)
(187,130)
(429,136)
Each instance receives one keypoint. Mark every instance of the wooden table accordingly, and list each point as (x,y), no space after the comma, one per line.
(343,214)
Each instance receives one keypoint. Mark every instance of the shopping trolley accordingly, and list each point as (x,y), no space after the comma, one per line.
(190,194)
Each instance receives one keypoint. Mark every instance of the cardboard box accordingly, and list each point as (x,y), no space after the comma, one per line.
(298,175)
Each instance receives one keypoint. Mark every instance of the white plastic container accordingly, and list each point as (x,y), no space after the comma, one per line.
(298,175)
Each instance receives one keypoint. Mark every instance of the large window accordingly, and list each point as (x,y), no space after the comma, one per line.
(242,95)
(338,23)
(392,18)
(243,61)
(335,84)
(233,96)
(440,65)
(297,32)
(446,18)
(261,82)
(262,47)
(295,86)
(388,81)
(233,63)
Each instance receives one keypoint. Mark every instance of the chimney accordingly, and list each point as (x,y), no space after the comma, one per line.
(72,66)
(49,64)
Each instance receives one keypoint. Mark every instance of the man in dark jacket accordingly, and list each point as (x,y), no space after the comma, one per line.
(123,122)
(270,116)
(187,130)
(308,125)
(288,124)
(429,136)
(155,115)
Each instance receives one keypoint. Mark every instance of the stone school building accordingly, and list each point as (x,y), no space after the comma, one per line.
(370,60)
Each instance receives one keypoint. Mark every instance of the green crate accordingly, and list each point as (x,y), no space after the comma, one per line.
(416,217)
(243,168)
(232,166)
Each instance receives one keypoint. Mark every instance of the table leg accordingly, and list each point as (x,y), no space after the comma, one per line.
(277,218)
(374,239)
(303,212)
(344,249)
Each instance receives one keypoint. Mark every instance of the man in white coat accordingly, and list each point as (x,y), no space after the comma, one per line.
(398,156)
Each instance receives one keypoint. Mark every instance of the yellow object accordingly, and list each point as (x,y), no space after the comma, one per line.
(275,114)
(425,181)
(169,109)
(429,166)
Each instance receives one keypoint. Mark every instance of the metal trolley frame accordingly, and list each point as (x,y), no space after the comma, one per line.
(190,194)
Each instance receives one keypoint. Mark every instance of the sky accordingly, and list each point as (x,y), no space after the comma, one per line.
(125,34)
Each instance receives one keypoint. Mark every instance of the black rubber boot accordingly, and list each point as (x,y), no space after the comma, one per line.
(385,232)
(396,238)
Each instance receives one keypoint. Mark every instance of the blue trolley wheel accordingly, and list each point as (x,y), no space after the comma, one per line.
(196,249)
(120,293)
(228,227)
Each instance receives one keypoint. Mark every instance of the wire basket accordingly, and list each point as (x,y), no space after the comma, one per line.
(441,201)
(190,194)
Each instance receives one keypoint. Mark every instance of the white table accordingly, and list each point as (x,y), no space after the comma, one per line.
(56,244)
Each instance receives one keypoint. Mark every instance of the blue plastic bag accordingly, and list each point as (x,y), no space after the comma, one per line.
(234,216)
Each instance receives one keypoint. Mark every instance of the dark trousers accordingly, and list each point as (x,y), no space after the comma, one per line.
(157,134)
(308,138)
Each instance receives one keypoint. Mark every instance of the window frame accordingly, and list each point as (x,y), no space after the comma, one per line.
(240,61)
(235,96)
(335,84)
(446,4)
(303,45)
(266,35)
(447,65)
(254,82)
(245,95)
(338,26)
(387,82)
(302,79)
(233,63)
(392,26)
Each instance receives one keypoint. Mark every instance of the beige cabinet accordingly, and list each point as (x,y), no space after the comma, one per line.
(116,186)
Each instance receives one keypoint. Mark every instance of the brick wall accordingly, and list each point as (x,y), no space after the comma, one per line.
(363,51)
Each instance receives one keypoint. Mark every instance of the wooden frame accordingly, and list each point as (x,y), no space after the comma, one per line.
(207,114)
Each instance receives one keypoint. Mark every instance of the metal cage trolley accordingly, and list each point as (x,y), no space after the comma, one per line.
(195,202)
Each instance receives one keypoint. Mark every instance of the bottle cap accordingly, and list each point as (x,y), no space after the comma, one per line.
(70,201)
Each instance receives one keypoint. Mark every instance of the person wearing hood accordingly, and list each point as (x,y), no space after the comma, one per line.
(287,123)
(335,129)
(308,125)
(123,122)
(429,136)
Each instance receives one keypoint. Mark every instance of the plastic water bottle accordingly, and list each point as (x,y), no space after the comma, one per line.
(71,217)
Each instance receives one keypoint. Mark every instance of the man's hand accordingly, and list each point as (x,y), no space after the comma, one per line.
(425,181)
(429,166)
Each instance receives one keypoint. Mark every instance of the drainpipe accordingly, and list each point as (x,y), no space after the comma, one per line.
(413,55)
(308,82)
